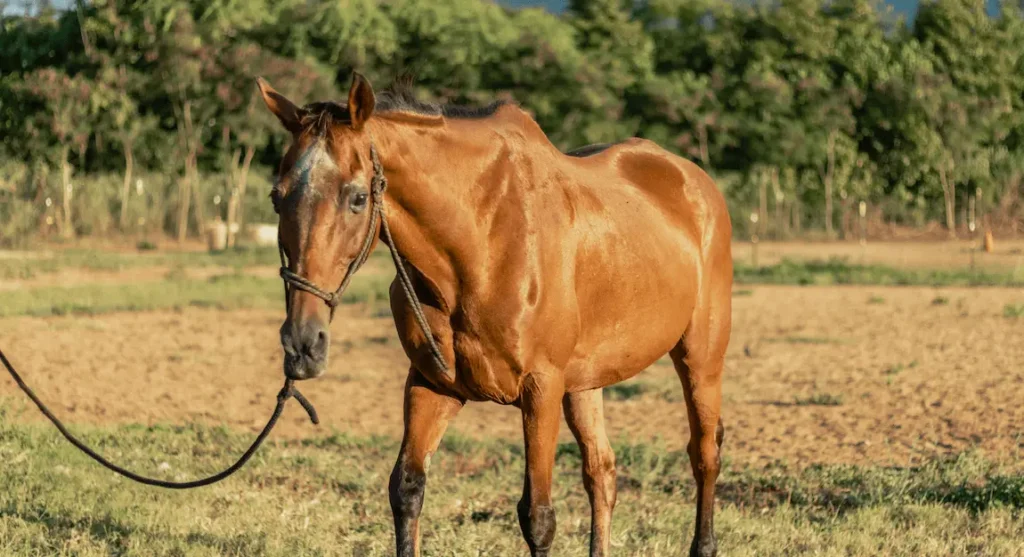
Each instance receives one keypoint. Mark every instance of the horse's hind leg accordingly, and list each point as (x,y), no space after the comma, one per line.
(699,358)
(427,413)
(584,412)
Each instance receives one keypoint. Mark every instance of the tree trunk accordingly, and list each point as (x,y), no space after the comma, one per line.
(185,184)
(129,163)
(794,209)
(39,174)
(86,43)
(199,211)
(184,196)
(763,204)
(243,178)
(830,173)
(66,229)
(233,197)
(779,223)
(847,222)
(702,138)
(949,194)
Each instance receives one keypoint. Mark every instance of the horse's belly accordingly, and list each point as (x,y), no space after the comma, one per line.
(613,353)
(635,315)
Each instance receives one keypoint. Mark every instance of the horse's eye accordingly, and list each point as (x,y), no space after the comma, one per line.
(358,202)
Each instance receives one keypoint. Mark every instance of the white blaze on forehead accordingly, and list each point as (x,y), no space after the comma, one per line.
(313,159)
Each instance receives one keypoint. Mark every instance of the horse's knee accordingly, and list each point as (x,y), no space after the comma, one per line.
(538,524)
(406,488)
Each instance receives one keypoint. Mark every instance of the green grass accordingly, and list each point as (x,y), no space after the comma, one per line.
(229,291)
(328,496)
(898,368)
(819,399)
(625,391)
(28,267)
(832,271)
(838,271)
(876,300)
(1013,311)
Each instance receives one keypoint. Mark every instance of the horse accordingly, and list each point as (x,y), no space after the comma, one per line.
(534,278)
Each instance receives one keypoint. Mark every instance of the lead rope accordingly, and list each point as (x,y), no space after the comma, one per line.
(286,392)
(378,185)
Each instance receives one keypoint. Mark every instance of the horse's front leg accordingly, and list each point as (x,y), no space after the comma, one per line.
(584,412)
(427,414)
(541,405)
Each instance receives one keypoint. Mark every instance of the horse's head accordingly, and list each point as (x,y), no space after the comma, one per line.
(323,198)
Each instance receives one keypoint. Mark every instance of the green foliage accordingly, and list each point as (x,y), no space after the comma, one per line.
(819,399)
(899,368)
(802,108)
(229,290)
(625,391)
(838,271)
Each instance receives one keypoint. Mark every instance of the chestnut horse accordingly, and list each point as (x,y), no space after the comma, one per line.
(543,277)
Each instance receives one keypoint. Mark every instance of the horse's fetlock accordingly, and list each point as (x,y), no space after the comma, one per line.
(538,524)
(705,547)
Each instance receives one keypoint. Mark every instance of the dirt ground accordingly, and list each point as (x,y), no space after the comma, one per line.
(814,375)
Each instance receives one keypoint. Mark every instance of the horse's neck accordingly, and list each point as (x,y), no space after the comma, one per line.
(432,174)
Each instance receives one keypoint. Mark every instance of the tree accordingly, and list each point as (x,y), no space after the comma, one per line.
(244,124)
(66,119)
(620,58)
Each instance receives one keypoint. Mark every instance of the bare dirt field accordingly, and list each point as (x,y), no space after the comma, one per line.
(866,375)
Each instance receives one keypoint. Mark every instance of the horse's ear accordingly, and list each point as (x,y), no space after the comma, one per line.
(285,110)
(361,100)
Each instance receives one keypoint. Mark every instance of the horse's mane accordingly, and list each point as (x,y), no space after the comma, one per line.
(398,97)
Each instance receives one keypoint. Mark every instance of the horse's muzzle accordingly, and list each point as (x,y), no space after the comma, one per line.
(305,349)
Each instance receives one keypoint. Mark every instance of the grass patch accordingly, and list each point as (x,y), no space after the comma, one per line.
(625,391)
(876,300)
(231,291)
(819,399)
(1013,311)
(742,293)
(839,271)
(328,496)
(24,268)
(940,301)
(898,368)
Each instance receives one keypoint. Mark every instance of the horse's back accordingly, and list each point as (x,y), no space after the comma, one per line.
(675,186)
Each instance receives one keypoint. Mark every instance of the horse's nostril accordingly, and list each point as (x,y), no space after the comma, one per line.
(315,345)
